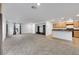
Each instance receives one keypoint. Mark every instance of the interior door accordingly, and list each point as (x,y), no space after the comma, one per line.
(6,30)
(38,29)
(44,29)
(20,29)
(14,30)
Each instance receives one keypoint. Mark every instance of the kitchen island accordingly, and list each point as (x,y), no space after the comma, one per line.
(65,34)
(67,30)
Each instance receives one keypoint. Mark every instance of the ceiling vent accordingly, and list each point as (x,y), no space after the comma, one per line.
(35,6)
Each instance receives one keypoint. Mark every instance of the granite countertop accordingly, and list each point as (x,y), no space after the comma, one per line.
(65,29)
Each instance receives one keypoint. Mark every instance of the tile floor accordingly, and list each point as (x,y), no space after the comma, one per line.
(34,44)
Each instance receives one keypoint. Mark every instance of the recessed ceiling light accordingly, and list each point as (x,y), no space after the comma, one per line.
(62,17)
(77,15)
(35,6)
(38,4)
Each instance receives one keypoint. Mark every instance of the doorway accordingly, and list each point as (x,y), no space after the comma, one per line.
(44,29)
(6,30)
(38,30)
(0,33)
(17,29)
(41,29)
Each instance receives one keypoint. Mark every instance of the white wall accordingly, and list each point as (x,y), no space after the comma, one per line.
(49,28)
(4,27)
(10,29)
(28,28)
(3,23)
(0,8)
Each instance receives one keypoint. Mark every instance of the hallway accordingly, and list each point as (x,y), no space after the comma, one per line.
(33,44)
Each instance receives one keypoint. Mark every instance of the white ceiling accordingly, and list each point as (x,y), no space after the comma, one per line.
(23,13)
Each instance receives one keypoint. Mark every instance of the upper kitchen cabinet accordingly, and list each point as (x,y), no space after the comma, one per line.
(69,23)
(76,24)
(59,25)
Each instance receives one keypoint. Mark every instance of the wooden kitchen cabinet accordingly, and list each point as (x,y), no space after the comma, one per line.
(69,23)
(59,25)
(76,24)
(75,42)
(76,34)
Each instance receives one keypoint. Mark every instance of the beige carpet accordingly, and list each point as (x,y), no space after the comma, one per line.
(33,44)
